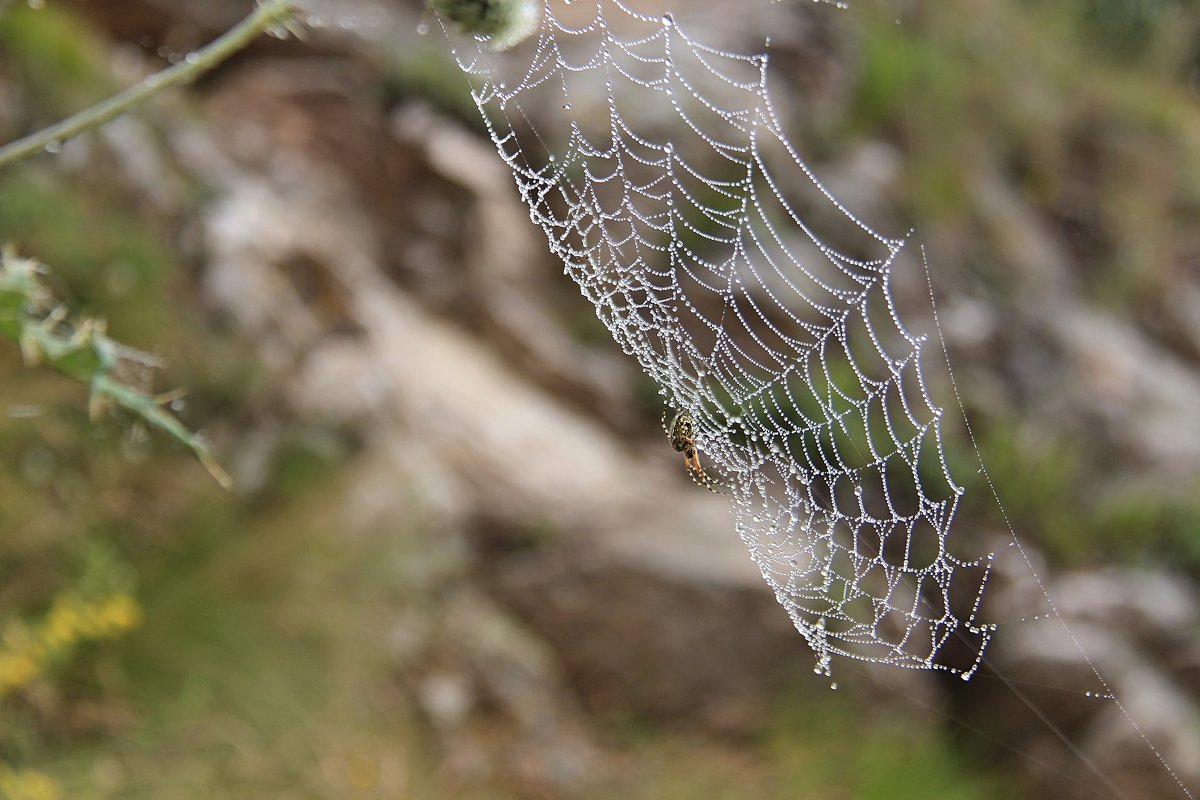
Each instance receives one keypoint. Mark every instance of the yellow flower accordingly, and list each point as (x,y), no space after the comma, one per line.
(121,613)
(60,628)
(23,653)
(27,784)
(17,669)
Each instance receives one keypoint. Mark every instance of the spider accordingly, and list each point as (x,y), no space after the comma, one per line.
(682,432)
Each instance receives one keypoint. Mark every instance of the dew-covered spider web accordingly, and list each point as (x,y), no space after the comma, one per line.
(646,140)
(660,172)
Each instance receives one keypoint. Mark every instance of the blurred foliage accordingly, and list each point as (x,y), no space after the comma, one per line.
(74,498)
(1045,498)
(814,747)
(106,260)
(27,784)
(827,752)
(57,60)
(1107,138)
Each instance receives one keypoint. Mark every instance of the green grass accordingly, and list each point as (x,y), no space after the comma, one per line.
(834,747)
(107,261)
(256,659)
(59,61)
(838,747)
(1052,498)
(1045,90)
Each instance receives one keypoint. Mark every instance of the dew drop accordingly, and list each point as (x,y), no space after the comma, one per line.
(192,58)
(833,686)
(667,20)
(858,490)
(566,106)
(53,146)
(423,29)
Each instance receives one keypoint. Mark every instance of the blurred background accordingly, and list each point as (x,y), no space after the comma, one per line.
(460,559)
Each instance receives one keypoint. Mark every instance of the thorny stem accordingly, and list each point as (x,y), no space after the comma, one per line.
(83,351)
(269,13)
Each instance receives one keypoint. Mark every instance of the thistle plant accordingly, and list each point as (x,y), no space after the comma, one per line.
(500,23)
(80,348)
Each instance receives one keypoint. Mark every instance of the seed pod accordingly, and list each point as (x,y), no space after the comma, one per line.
(503,23)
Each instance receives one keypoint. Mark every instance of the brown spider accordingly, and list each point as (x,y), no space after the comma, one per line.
(682,432)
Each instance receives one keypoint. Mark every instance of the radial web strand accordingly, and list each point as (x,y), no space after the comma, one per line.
(661,174)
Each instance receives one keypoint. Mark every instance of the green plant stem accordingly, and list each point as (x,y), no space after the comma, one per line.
(83,351)
(268,14)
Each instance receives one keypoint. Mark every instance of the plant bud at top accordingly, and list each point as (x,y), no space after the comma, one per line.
(503,23)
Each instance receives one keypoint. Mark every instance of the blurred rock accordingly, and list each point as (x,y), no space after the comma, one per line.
(638,640)
(520,673)
(1137,629)
(446,698)
(1103,367)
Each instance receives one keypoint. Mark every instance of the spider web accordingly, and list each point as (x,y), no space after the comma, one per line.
(659,170)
